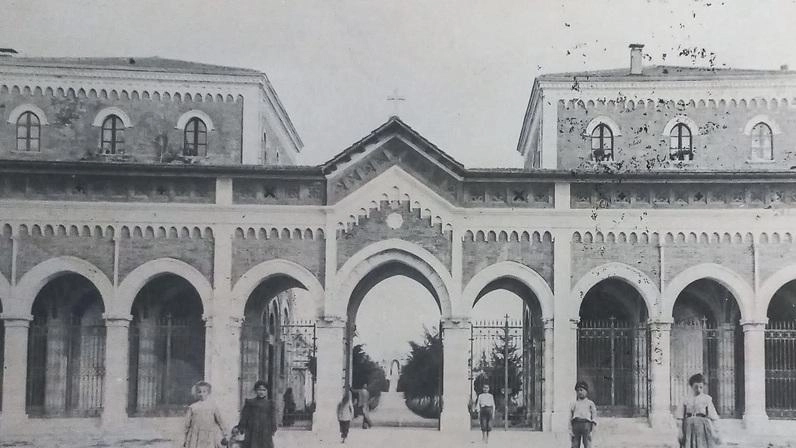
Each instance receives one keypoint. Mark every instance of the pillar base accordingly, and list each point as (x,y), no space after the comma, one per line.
(11,422)
(662,421)
(547,421)
(452,422)
(559,421)
(755,423)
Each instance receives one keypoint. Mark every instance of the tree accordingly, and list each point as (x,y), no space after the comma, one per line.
(420,377)
(493,368)
(367,371)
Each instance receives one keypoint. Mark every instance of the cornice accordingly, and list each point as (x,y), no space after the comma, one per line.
(126,75)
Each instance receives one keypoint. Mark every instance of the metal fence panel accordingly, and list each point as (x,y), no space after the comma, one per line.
(780,341)
(508,356)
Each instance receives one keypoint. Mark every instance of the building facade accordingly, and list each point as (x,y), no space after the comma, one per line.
(125,279)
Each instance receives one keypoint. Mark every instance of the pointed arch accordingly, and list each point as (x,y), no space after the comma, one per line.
(632,276)
(260,273)
(140,276)
(37,277)
(734,283)
(16,112)
(195,113)
(515,271)
(769,288)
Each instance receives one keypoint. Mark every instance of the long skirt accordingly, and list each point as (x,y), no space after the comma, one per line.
(699,433)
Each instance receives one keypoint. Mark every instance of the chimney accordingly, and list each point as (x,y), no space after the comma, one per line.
(636,63)
(7,52)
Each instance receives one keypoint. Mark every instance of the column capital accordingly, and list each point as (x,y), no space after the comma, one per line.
(573,323)
(330,321)
(16,320)
(660,325)
(117,320)
(455,323)
(754,325)
(548,323)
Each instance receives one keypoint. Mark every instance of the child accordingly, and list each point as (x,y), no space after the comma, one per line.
(582,417)
(697,428)
(235,439)
(345,412)
(485,405)
(203,420)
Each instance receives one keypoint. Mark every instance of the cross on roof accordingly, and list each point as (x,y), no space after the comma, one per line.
(396,100)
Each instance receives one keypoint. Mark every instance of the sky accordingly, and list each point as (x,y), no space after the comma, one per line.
(465,68)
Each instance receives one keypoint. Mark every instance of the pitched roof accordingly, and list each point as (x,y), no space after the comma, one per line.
(394,125)
(664,72)
(148,64)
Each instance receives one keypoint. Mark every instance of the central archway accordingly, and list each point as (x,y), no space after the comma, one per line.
(364,274)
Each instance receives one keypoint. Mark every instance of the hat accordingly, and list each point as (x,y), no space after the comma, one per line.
(582,385)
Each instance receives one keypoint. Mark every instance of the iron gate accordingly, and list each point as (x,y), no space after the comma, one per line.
(66,370)
(297,365)
(700,346)
(166,358)
(507,356)
(780,337)
(613,358)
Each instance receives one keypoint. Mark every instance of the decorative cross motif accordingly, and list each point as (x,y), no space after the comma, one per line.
(396,99)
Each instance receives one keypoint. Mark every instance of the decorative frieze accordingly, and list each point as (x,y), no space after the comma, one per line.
(512,194)
(278,191)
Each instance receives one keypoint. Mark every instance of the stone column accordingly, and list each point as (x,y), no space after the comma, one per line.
(455,416)
(660,416)
(754,417)
(117,344)
(226,332)
(565,348)
(15,369)
(549,376)
(330,381)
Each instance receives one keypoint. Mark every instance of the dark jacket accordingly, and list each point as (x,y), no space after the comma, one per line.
(258,423)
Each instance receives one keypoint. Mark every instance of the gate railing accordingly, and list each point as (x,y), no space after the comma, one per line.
(298,370)
(66,370)
(780,341)
(508,357)
(613,358)
(166,358)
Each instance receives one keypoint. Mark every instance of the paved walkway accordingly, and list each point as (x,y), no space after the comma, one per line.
(390,438)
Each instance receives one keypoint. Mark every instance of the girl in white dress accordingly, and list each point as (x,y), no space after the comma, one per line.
(698,417)
(203,425)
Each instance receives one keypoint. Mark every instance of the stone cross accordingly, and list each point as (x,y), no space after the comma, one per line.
(396,100)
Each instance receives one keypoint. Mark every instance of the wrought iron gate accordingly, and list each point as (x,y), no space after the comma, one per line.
(781,369)
(700,346)
(66,370)
(508,356)
(167,357)
(298,368)
(613,358)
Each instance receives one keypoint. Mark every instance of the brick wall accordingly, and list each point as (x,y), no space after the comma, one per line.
(640,255)
(719,142)
(71,136)
(136,251)
(773,256)
(414,229)
(34,249)
(247,253)
(537,255)
(736,256)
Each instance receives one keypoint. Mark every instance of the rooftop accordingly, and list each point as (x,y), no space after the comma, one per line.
(665,72)
(145,64)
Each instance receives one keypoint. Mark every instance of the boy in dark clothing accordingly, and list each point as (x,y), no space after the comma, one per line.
(582,417)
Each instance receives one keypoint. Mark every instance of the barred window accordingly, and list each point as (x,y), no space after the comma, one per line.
(680,145)
(28,132)
(602,143)
(762,142)
(195,138)
(112,135)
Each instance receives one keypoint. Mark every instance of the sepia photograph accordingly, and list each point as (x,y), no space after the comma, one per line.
(425,223)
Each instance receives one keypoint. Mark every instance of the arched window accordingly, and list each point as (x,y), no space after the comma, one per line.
(28,132)
(602,143)
(680,143)
(762,142)
(195,140)
(112,135)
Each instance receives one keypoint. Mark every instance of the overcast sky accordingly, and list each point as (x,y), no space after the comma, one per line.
(465,67)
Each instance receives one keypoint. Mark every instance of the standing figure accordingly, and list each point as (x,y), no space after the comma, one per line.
(345,413)
(582,416)
(364,401)
(289,410)
(258,419)
(698,417)
(485,404)
(203,425)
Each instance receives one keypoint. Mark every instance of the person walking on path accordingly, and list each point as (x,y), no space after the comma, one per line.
(258,419)
(345,413)
(289,410)
(364,402)
(582,417)
(204,427)
(485,405)
(698,417)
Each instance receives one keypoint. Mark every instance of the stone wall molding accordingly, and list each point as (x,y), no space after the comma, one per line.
(515,271)
(131,285)
(632,276)
(740,289)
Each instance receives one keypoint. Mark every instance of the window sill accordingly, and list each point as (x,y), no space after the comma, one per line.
(29,153)
(761,162)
